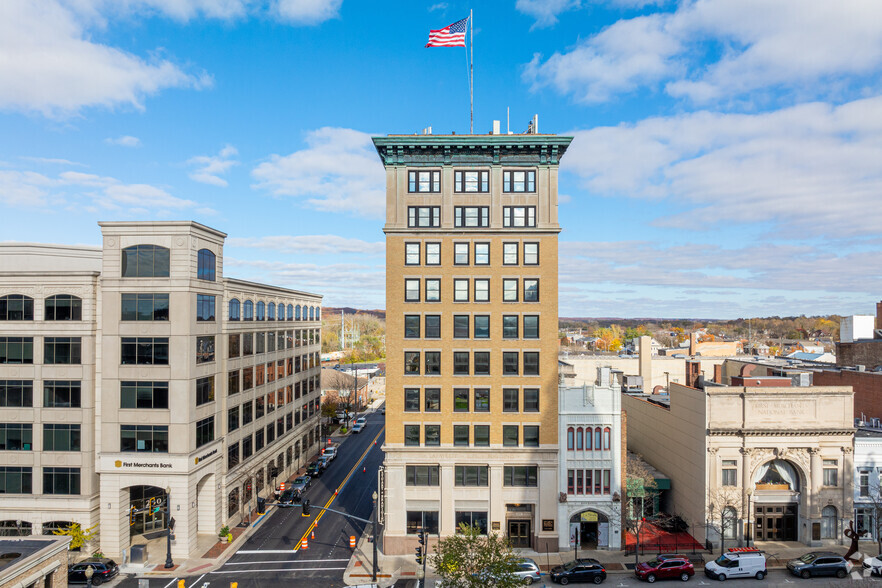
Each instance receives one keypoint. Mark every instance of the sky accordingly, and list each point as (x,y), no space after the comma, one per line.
(726,160)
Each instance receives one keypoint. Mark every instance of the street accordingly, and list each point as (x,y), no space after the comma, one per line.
(272,554)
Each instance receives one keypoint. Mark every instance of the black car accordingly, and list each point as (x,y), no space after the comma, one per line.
(820,563)
(289,498)
(104,570)
(579,570)
(314,469)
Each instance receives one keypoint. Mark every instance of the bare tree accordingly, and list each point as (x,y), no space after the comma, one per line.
(870,498)
(723,505)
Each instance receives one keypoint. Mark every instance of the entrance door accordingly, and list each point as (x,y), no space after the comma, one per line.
(589,535)
(519,533)
(147,512)
(776,522)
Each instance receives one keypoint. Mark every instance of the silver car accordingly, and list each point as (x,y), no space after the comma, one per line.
(528,571)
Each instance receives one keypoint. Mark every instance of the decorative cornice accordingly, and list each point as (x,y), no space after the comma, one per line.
(777,432)
(426,150)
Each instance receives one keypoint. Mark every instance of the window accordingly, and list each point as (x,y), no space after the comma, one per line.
(247,344)
(510,400)
(421,475)
(411,290)
(461,290)
(531,399)
(261,311)
(61,437)
(433,400)
(62,350)
(411,399)
(61,481)
(271,311)
(232,419)
(460,326)
(424,216)
(520,476)
(571,481)
(471,216)
(411,326)
(205,431)
(518,216)
(570,438)
(16,393)
(588,437)
(248,311)
(433,253)
(424,181)
(411,362)
(482,290)
(144,307)
(15,307)
(233,461)
(579,438)
(606,438)
(433,290)
(482,253)
(531,436)
(16,437)
(143,438)
(510,435)
(531,363)
(482,326)
(15,480)
(204,390)
(531,326)
(606,480)
(461,435)
(234,310)
(411,254)
(482,363)
(471,475)
(61,394)
(519,181)
(472,181)
(411,435)
(828,521)
(145,261)
(510,326)
(510,363)
(482,400)
(432,435)
(205,349)
(531,253)
(16,350)
(143,394)
(205,265)
(290,312)
(204,308)
(510,290)
(482,435)
(864,484)
(580,478)
(472,518)
(433,363)
(831,472)
(509,254)
(425,520)
(233,348)
(460,363)
(460,400)
(460,254)
(247,412)
(61,307)
(730,472)
(597,439)
(531,290)
(433,326)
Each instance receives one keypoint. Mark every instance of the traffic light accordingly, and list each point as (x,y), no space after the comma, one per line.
(422,537)
(419,554)
(305,506)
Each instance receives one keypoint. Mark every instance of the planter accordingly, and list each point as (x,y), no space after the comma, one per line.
(224,538)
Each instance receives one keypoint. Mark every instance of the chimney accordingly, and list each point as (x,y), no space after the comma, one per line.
(645,343)
(535,124)
(879,315)
(495,128)
(603,377)
(718,373)
(693,373)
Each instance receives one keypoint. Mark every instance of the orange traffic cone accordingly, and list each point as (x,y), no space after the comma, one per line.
(364,469)
(313,535)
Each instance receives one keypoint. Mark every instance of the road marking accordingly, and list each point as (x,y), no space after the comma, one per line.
(339,488)
(197,580)
(170,583)
(281,561)
(278,570)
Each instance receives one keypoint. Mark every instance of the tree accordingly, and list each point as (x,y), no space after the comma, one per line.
(469,559)
(78,536)
(870,499)
(722,513)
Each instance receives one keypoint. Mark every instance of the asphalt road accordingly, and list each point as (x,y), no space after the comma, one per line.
(272,555)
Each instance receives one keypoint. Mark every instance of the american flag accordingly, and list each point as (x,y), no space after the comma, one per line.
(449,36)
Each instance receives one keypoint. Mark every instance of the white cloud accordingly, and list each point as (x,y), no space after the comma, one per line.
(438,6)
(546,11)
(339,171)
(307,12)
(721,49)
(53,161)
(810,170)
(124,141)
(211,167)
(24,189)
(310,244)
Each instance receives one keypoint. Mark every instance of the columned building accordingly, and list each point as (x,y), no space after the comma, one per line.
(139,382)
(471,343)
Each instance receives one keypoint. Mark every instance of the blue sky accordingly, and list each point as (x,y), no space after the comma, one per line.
(726,159)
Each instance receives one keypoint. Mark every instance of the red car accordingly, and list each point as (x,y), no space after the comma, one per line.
(665,567)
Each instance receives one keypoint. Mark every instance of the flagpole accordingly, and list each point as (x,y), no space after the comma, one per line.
(471,74)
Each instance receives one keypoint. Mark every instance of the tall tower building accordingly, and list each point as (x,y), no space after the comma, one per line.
(471,317)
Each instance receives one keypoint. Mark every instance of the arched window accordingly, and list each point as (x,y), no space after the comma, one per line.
(318,313)
(261,311)
(63,307)
(290,312)
(206,265)
(271,312)
(828,522)
(16,528)
(579,438)
(776,475)
(145,261)
(570,438)
(297,312)
(234,309)
(597,439)
(16,307)
(606,438)
(248,311)
(588,444)
(729,522)
(52,526)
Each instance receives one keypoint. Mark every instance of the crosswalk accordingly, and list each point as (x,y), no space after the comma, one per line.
(269,560)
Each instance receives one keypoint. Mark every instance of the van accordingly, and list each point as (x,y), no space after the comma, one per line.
(738,562)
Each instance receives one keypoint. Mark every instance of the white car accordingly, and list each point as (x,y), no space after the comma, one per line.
(330,453)
(361,421)
(874,564)
(357,427)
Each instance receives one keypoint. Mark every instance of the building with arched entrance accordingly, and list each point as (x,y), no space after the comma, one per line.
(752,459)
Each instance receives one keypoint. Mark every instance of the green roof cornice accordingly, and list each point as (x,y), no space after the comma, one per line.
(436,150)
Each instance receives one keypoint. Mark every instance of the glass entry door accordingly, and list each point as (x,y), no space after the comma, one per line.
(147,510)
(519,533)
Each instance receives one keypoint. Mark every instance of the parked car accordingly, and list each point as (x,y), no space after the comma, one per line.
(528,571)
(314,470)
(330,452)
(324,461)
(665,567)
(820,563)
(579,570)
(874,564)
(301,483)
(357,427)
(289,498)
(104,569)
(361,421)
(737,563)
(383,410)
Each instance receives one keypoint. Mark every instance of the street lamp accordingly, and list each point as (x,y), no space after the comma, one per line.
(90,571)
(168,558)
(749,515)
